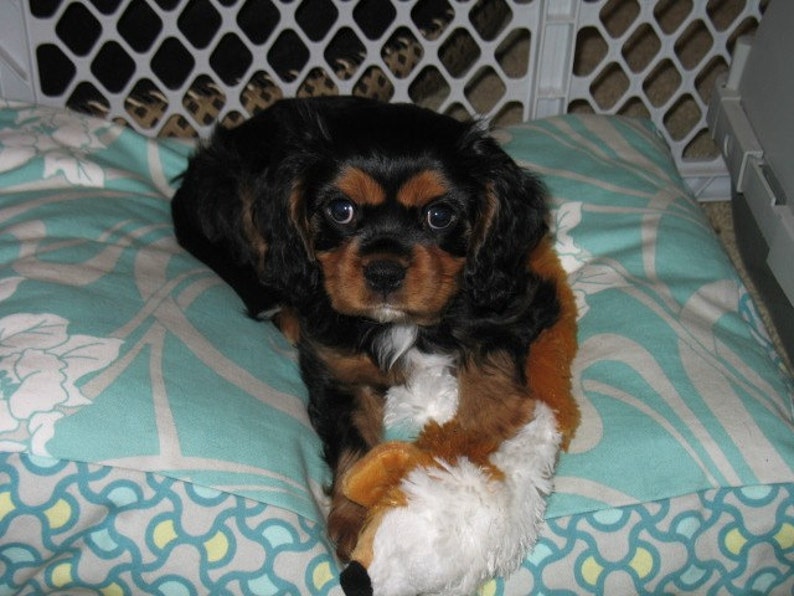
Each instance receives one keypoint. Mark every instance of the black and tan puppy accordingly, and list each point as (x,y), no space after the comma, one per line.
(378,229)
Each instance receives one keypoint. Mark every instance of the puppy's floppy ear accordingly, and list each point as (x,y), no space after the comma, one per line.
(239,209)
(511,221)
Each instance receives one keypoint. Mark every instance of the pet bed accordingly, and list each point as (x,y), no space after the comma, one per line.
(154,438)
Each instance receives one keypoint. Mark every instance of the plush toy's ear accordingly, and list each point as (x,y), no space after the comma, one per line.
(379,470)
(511,221)
(240,209)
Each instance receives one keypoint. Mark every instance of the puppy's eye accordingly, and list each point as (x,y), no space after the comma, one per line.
(341,211)
(439,216)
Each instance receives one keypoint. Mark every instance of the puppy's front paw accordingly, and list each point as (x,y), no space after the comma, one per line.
(345,521)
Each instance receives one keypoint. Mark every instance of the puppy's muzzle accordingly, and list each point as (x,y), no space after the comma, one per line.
(384,276)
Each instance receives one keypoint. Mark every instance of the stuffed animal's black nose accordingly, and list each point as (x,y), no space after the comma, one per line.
(355,580)
(384,276)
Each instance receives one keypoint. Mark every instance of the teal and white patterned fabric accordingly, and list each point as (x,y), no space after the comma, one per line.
(153,438)
(123,532)
(67,525)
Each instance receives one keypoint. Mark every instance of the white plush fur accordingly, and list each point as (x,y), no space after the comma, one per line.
(462,527)
(431,393)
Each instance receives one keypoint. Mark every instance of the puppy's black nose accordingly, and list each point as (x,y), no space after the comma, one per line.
(384,276)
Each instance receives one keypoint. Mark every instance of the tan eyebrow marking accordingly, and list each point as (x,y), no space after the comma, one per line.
(421,188)
(359,186)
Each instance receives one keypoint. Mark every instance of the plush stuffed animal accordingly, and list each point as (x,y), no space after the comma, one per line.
(454,506)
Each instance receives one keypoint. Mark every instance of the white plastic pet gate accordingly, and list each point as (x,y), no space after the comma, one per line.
(175,67)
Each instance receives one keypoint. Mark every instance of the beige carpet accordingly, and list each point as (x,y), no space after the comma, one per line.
(721,218)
